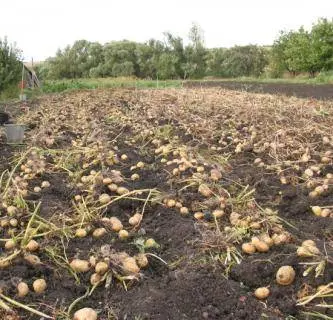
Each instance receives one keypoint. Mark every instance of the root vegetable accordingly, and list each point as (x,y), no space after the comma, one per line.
(184,210)
(32,246)
(39,285)
(104,198)
(304,252)
(81,233)
(123,234)
(262,293)
(13,222)
(218,213)
(150,243)
(99,232)
(124,157)
(135,177)
(199,215)
(10,244)
(261,246)
(92,261)
(85,314)
(325,213)
(267,239)
(112,187)
(285,275)
(316,210)
(45,184)
(22,289)
(32,259)
(130,266)
(140,164)
(135,219)
(11,210)
(116,224)
(204,190)
(101,267)
(141,260)
(215,174)
(37,189)
(122,190)
(79,265)
(308,243)
(95,278)
(170,203)
(248,248)
(107,181)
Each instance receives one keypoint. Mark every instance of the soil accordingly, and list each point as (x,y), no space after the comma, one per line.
(322,91)
(191,286)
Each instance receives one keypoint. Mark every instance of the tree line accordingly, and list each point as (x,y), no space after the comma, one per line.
(293,52)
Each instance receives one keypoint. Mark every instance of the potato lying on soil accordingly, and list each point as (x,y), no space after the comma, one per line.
(85,314)
(22,289)
(285,275)
(262,293)
(79,265)
(39,285)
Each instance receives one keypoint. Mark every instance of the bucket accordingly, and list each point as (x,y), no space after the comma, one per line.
(14,133)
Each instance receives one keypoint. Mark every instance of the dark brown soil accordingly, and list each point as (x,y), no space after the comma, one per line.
(322,91)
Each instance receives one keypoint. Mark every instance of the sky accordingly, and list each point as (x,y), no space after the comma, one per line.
(40,27)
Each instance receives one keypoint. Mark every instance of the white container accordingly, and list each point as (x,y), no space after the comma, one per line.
(14,133)
(23,97)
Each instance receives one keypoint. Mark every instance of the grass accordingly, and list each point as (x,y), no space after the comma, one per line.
(56,86)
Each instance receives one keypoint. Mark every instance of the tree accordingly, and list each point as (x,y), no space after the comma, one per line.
(195,53)
(10,65)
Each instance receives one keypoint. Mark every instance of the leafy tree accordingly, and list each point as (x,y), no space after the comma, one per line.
(10,65)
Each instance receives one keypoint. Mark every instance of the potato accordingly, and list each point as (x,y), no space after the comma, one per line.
(150,243)
(215,174)
(13,222)
(104,198)
(116,224)
(37,189)
(184,210)
(85,314)
(199,215)
(79,265)
(135,219)
(10,244)
(140,164)
(39,285)
(135,177)
(92,261)
(123,234)
(308,243)
(303,252)
(11,210)
(95,278)
(112,187)
(122,190)
(32,246)
(248,248)
(101,267)
(81,233)
(170,203)
(285,275)
(32,259)
(22,289)
(130,266)
(218,213)
(267,239)
(204,190)
(99,232)
(141,260)
(262,293)
(123,157)
(45,184)
(316,210)
(107,181)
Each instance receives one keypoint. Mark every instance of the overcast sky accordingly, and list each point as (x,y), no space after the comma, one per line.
(40,27)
